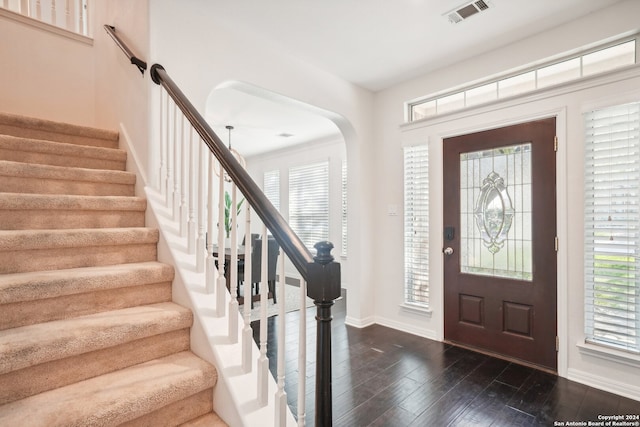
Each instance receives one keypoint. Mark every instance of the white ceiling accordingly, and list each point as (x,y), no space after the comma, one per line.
(371,43)
(261,124)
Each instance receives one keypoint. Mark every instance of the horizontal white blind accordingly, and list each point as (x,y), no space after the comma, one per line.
(344,208)
(612,226)
(271,187)
(309,202)
(416,225)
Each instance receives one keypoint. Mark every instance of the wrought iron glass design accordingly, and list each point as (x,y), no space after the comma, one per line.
(495,212)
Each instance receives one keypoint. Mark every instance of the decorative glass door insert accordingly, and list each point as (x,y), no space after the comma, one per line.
(495,212)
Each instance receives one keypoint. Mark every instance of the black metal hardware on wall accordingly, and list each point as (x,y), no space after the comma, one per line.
(321,272)
(142,66)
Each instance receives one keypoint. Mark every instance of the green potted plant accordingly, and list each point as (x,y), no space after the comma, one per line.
(227,212)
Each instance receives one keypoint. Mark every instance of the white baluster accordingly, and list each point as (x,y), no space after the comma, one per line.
(222,282)
(281,395)
(25,7)
(263,362)
(192,171)
(247,333)
(170,159)
(184,180)
(5,4)
(54,12)
(176,166)
(38,10)
(302,354)
(202,188)
(81,18)
(210,275)
(86,22)
(68,15)
(233,269)
(163,140)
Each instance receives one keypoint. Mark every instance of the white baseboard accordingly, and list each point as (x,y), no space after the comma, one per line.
(421,332)
(603,383)
(359,323)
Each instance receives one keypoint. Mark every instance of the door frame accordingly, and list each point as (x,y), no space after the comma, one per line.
(497,118)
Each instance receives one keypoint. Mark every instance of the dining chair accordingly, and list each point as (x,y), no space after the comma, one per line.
(273,250)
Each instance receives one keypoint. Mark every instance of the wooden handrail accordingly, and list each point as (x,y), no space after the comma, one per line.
(142,65)
(291,244)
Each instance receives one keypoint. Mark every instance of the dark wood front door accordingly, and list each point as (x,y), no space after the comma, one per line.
(500,241)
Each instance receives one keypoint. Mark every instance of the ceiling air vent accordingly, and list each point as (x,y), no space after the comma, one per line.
(463,12)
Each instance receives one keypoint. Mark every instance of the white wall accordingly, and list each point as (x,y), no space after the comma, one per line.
(569,105)
(122,93)
(45,74)
(311,152)
(201,50)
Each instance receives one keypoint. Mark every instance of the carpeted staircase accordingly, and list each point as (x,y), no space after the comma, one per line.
(88,332)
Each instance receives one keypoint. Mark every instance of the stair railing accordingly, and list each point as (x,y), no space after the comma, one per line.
(71,15)
(186,175)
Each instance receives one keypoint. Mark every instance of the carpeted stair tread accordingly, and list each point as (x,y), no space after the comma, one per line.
(22,211)
(208,420)
(43,342)
(30,150)
(31,127)
(39,250)
(18,177)
(114,398)
(21,240)
(18,169)
(31,286)
(29,201)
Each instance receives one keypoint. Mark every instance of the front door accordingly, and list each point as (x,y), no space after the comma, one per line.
(500,242)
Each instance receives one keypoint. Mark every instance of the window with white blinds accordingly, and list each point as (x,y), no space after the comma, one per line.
(612,227)
(416,226)
(309,202)
(344,208)
(271,187)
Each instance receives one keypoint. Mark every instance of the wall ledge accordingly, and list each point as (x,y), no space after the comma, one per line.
(610,354)
(31,22)
(410,308)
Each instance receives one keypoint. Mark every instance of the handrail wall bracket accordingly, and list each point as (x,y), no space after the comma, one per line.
(142,65)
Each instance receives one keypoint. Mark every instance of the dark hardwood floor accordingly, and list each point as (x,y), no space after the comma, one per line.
(383,377)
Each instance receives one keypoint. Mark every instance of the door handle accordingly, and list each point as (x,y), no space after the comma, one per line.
(448,251)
